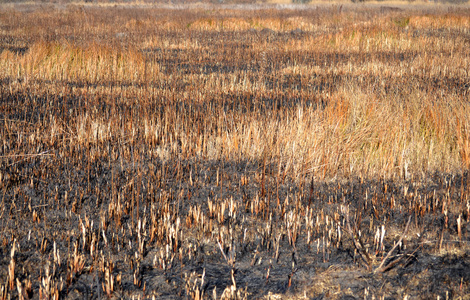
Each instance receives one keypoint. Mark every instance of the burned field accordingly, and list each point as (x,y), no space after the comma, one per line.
(227,153)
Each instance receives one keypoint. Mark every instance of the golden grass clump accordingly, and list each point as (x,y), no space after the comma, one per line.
(365,103)
(92,64)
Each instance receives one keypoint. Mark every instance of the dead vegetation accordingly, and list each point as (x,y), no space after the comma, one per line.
(234,154)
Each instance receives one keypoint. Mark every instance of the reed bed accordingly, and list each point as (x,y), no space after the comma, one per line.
(369,96)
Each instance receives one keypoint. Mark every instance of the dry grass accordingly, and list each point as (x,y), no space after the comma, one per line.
(378,95)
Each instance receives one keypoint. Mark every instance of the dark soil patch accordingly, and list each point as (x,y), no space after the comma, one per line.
(56,212)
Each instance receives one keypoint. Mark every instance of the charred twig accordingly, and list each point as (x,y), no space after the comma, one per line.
(45,153)
(381,268)
(222,250)
(26,156)
(358,244)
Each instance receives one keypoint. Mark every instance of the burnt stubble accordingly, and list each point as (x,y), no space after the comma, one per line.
(234,153)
